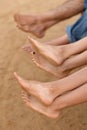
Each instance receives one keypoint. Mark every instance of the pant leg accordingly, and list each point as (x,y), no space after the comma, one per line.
(85,4)
(78,30)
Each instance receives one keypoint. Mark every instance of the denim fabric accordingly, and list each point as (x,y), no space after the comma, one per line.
(85,2)
(78,30)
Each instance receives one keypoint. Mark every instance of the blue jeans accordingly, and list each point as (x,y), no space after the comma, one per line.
(78,30)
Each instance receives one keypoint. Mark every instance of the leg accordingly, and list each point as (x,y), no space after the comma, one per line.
(47,92)
(43,63)
(74,97)
(69,99)
(58,54)
(59,41)
(74,62)
(38,24)
(36,105)
(58,71)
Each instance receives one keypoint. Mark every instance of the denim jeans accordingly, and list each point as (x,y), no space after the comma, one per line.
(78,30)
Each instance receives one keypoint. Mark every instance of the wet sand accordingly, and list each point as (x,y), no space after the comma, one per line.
(14,115)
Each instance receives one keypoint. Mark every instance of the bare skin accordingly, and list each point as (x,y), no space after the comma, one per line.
(63,40)
(38,24)
(36,105)
(71,98)
(58,54)
(47,92)
(44,64)
(58,71)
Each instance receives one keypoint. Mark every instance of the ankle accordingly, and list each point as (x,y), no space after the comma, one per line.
(61,54)
(55,90)
(50,16)
(65,51)
(47,18)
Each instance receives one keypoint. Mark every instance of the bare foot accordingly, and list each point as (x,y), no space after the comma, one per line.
(36,105)
(44,64)
(32,23)
(43,91)
(36,88)
(53,53)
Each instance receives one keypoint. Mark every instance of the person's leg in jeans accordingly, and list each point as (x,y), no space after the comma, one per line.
(38,24)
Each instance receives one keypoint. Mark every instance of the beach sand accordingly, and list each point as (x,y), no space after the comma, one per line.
(14,115)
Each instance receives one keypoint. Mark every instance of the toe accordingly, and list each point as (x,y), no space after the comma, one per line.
(32,41)
(27,48)
(16,17)
(23,27)
(19,19)
(17,77)
(38,46)
(21,81)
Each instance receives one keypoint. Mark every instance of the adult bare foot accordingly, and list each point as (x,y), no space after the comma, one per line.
(54,54)
(34,24)
(44,64)
(36,105)
(42,91)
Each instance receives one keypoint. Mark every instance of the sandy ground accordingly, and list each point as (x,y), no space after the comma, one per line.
(14,115)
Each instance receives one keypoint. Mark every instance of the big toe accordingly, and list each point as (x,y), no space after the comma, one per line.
(35,43)
(17,77)
(17,17)
(21,81)
(27,48)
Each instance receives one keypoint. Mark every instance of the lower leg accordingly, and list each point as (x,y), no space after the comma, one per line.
(59,71)
(47,92)
(71,98)
(59,41)
(37,24)
(58,54)
(44,64)
(75,48)
(70,82)
(74,62)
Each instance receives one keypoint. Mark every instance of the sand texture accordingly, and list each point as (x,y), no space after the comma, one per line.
(14,115)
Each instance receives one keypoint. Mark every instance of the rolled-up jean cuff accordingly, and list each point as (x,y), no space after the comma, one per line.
(70,36)
(85,4)
(78,30)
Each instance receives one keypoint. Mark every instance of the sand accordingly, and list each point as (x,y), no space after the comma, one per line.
(14,115)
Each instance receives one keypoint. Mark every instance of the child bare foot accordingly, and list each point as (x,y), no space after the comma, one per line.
(53,53)
(47,92)
(36,88)
(32,23)
(44,64)
(36,105)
